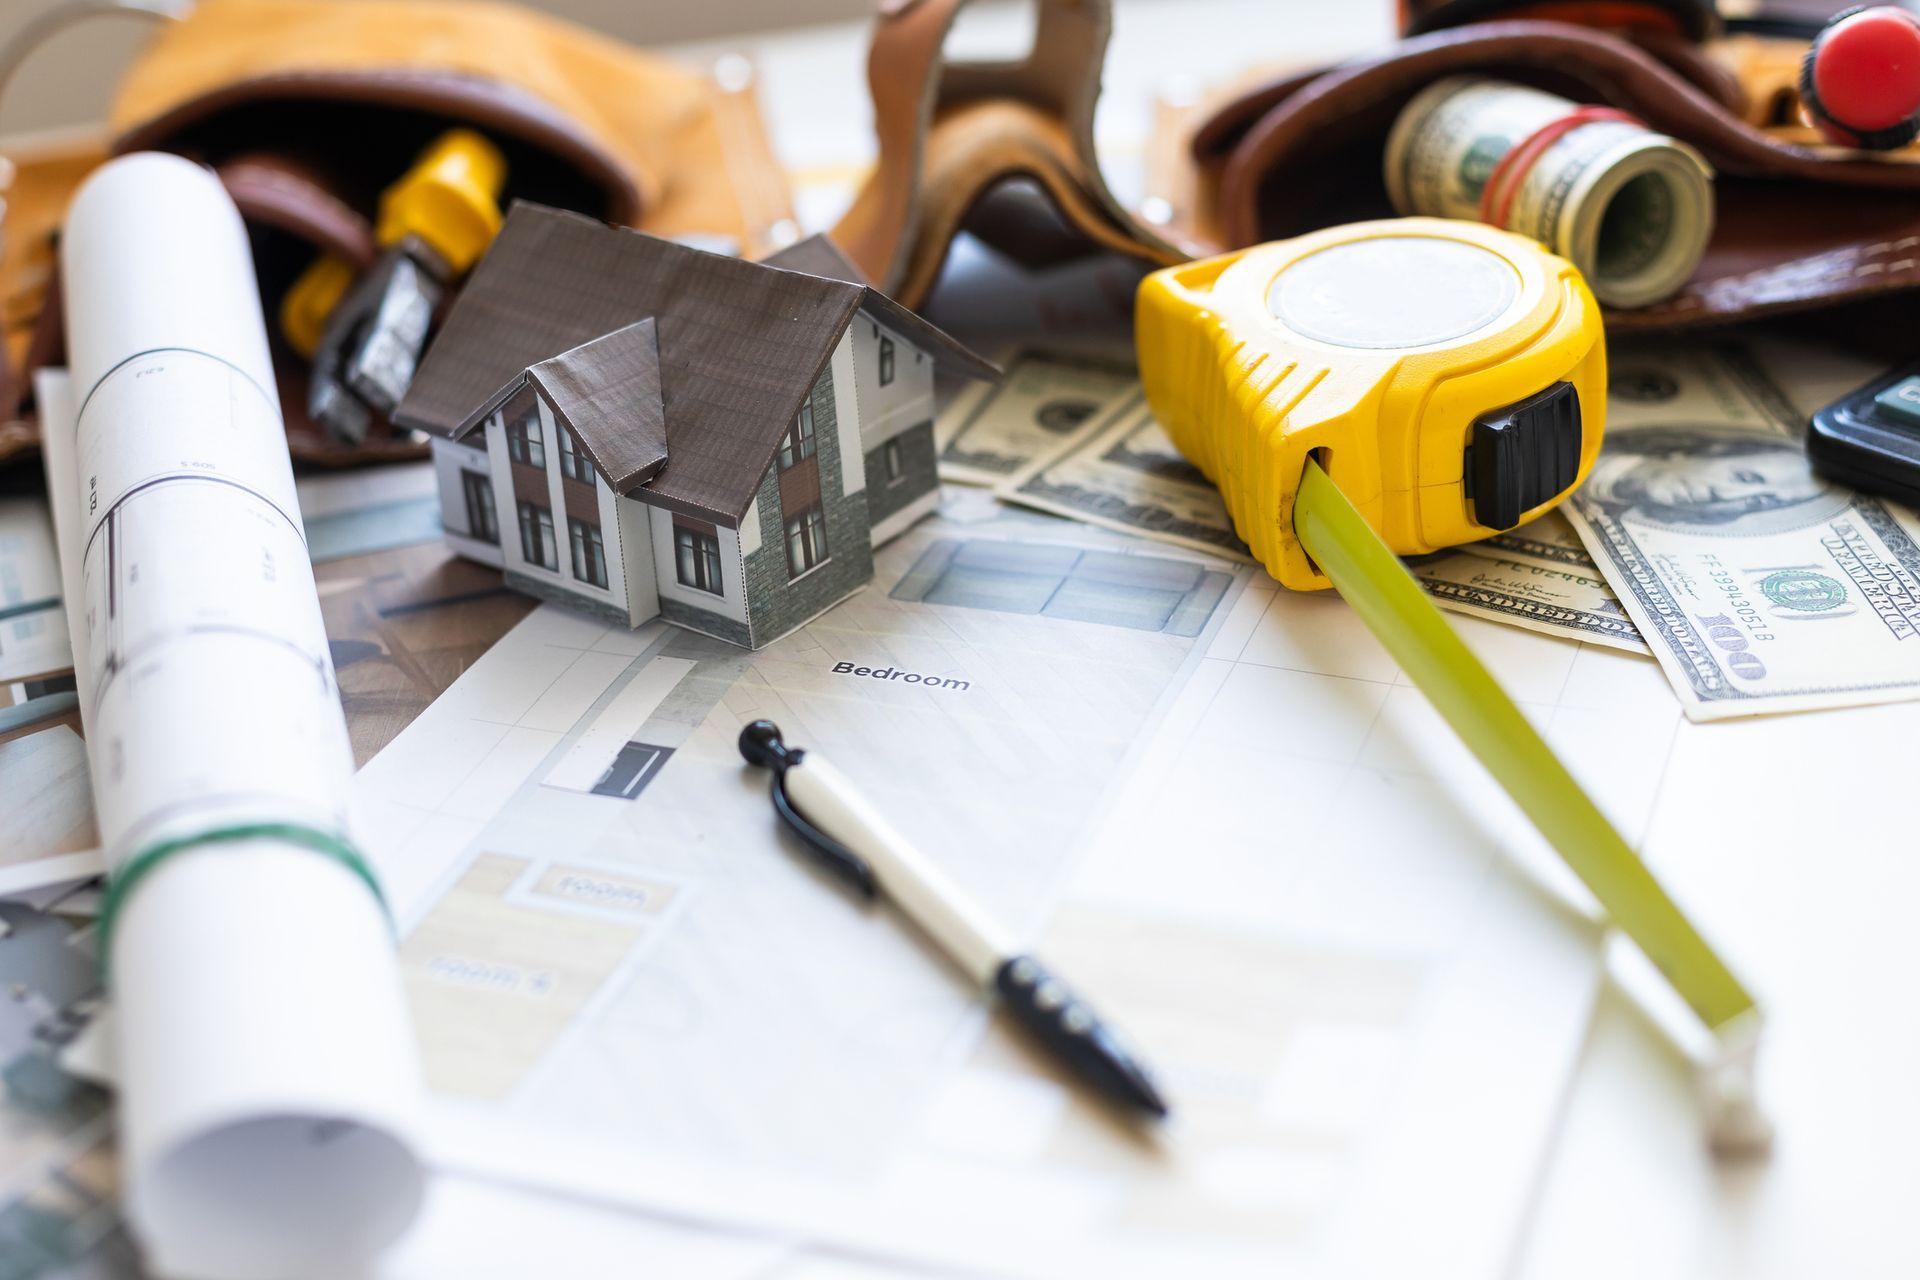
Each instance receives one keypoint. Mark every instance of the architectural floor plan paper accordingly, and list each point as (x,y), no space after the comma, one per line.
(1215,802)
(33,626)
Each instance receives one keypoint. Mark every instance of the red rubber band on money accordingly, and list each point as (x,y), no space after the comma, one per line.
(1503,184)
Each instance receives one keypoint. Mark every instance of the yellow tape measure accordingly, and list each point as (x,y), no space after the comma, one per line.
(1392,388)
(1450,377)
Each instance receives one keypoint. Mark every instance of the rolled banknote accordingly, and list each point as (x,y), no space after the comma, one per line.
(1759,586)
(1631,208)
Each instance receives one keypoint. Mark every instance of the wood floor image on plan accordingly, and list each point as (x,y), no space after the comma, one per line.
(511,955)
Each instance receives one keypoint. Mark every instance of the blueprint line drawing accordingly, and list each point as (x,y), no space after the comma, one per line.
(1149,593)
(1258,844)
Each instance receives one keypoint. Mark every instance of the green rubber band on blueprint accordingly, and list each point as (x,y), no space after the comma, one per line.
(121,883)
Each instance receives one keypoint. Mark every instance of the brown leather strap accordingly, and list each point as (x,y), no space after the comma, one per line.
(1796,227)
(1695,19)
(1613,71)
(912,84)
(1227,124)
(275,191)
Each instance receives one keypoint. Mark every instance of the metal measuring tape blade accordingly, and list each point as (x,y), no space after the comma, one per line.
(1393,388)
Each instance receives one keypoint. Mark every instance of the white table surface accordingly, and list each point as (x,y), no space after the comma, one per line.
(1786,837)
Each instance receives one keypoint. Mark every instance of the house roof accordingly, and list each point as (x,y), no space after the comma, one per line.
(816,256)
(738,346)
(819,256)
(607,392)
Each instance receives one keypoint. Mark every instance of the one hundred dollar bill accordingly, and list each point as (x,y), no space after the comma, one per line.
(1759,586)
(1127,475)
(1045,400)
(1556,600)
(1544,540)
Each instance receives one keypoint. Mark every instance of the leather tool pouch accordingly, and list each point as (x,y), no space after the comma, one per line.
(308,109)
(1797,225)
(955,136)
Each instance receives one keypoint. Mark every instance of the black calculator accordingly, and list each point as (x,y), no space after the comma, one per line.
(1869,439)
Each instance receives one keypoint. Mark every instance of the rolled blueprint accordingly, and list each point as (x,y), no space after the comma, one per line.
(265,1062)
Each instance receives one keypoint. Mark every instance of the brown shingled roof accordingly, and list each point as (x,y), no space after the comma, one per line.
(819,256)
(739,345)
(607,392)
(816,256)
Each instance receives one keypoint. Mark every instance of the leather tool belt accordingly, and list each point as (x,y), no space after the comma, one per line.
(1798,225)
(307,109)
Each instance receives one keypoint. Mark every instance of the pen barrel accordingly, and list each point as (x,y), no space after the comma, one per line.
(921,891)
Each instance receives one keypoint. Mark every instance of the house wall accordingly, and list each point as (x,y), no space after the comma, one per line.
(630,523)
(452,460)
(723,615)
(893,505)
(904,403)
(842,378)
(777,604)
(614,602)
(901,410)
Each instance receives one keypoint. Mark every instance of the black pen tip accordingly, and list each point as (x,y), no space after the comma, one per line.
(1083,1043)
(1147,1096)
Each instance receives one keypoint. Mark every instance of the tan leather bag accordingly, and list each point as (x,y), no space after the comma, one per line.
(309,108)
(952,133)
(1798,226)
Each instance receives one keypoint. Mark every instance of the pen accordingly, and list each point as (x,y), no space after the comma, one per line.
(851,839)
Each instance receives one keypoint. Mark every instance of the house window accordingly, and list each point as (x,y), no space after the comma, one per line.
(696,556)
(536,536)
(806,540)
(524,442)
(886,360)
(574,462)
(798,444)
(893,461)
(482,521)
(589,555)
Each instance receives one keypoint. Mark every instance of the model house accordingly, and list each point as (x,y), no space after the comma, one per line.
(641,429)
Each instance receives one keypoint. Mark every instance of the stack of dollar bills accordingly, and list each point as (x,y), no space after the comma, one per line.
(1701,537)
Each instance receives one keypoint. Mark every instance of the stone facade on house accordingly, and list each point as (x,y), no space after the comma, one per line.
(900,472)
(777,600)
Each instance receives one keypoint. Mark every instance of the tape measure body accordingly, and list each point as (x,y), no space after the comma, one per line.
(1449,376)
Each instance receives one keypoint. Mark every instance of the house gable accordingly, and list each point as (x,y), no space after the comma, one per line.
(607,392)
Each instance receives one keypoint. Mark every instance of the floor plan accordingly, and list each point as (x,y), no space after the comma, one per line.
(1215,802)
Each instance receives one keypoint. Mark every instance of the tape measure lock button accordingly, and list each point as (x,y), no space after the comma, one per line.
(1523,456)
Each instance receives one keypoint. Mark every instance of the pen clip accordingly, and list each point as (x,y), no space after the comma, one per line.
(827,851)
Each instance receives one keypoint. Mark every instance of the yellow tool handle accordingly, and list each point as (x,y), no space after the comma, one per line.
(1391,603)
